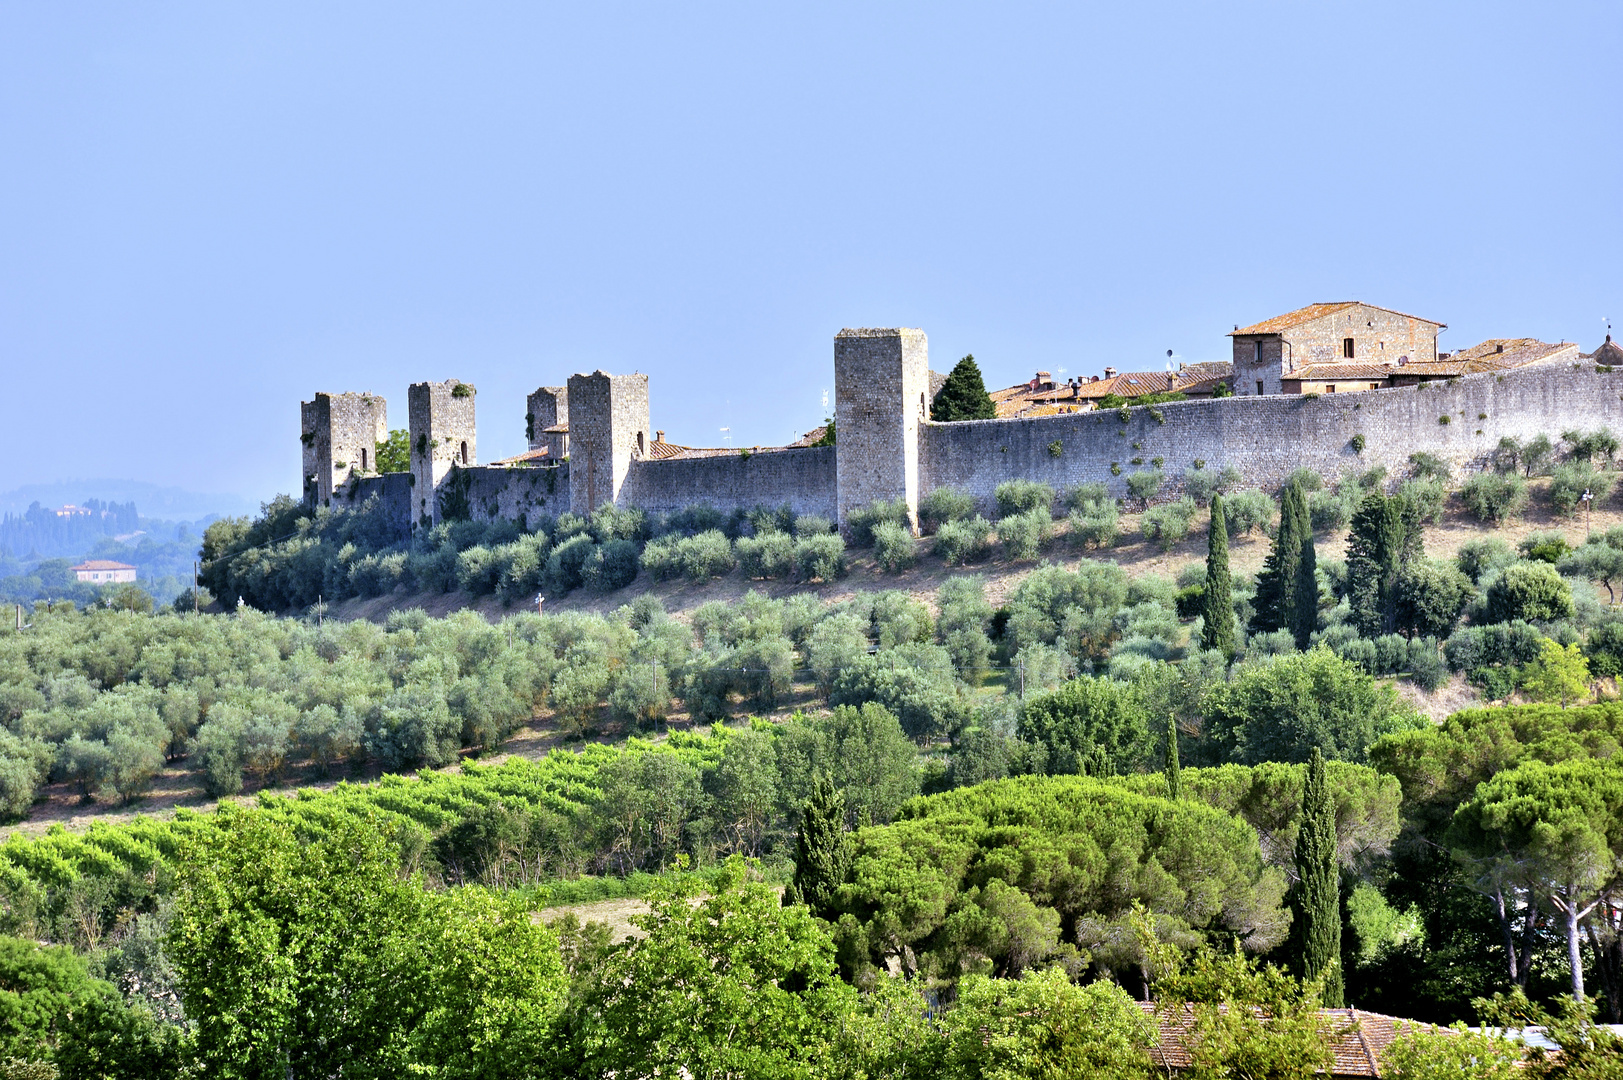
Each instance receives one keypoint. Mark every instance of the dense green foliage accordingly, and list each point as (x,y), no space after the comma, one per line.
(1316,898)
(963,396)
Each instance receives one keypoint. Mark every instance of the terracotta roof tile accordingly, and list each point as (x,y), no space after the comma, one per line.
(1280,323)
(102,564)
(1326,372)
(1358,1039)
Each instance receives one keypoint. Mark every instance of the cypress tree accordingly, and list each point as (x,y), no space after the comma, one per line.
(1305,605)
(821,853)
(963,396)
(1386,537)
(1217,602)
(1276,585)
(1317,906)
(1174,783)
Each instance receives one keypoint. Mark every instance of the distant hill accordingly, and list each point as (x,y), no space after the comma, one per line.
(153,501)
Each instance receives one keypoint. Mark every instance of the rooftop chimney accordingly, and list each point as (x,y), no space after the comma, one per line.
(1110,373)
(659,436)
(1499,348)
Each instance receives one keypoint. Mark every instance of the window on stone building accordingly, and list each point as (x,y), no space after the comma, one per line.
(639,442)
(1259,387)
(464,453)
(1347,348)
(1256,352)
(363,459)
(1330,388)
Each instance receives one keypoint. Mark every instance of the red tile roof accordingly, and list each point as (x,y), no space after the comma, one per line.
(1327,372)
(1357,1038)
(529,457)
(101,564)
(1280,323)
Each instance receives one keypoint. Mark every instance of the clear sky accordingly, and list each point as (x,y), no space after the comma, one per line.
(210,211)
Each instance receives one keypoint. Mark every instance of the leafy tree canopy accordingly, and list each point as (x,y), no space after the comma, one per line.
(963,396)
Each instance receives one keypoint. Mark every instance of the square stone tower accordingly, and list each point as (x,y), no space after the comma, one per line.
(442,436)
(545,411)
(608,430)
(881,395)
(340,433)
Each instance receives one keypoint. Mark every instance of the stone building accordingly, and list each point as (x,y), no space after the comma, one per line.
(442,437)
(103,572)
(340,434)
(1349,332)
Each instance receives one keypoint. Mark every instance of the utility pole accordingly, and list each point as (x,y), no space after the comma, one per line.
(196,607)
(1589,498)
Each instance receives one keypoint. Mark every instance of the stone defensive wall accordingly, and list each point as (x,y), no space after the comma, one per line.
(887,449)
(1269,437)
(801,476)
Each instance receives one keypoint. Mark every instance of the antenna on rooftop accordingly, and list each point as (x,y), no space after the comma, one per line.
(825,401)
(727,436)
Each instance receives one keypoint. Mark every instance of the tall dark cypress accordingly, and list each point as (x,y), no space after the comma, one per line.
(1317,896)
(822,856)
(1217,603)
(963,396)
(1305,602)
(1275,603)
(1386,536)
(1174,781)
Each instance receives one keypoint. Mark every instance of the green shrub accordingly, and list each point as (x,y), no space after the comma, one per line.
(1331,510)
(1478,557)
(1530,592)
(963,541)
(1022,496)
(1494,497)
(1200,484)
(1357,443)
(894,547)
(708,555)
(942,505)
(812,525)
(1428,496)
(610,566)
(771,555)
(1429,466)
(1308,480)
(1096,527)
(1571,480)
(1168,523)
(1544,547)
(1082,496)
(1248,511)
(568,560)
(1145,484)
(821,557)
(861,521)
(1024,535)
(661,558)
(1587,446)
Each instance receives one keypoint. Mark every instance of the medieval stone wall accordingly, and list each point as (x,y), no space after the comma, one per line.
(1267,438)
(802,477)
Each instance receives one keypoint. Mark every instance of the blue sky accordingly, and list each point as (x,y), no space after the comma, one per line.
(210,211)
